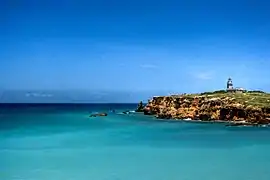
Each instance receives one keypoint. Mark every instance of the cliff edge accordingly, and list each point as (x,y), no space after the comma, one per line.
(251,107)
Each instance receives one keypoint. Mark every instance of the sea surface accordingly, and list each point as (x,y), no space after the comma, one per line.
(61,142)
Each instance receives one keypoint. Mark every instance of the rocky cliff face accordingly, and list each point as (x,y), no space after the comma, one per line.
(206,108)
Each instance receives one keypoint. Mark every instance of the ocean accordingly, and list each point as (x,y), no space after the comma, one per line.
(61,142)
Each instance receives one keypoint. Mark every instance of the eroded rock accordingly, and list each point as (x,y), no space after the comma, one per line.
(206,109)
(98,114)
(140,107)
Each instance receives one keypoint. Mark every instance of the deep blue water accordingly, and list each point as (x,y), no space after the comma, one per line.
(60,141)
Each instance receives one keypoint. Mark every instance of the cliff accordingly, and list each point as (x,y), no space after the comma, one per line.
(252,107)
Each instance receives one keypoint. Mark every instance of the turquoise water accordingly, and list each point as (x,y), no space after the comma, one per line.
(62,143)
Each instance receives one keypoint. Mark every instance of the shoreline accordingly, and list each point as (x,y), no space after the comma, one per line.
(226,123)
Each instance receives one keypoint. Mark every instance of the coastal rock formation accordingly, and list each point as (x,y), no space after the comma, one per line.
(140,107)
(98,114)
(252,108)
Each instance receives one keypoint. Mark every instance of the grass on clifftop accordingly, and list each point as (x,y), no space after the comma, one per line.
(253,98)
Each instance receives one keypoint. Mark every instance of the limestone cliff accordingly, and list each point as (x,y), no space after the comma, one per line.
(251,107)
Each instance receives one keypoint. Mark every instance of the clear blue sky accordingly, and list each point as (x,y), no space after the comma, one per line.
(142,45)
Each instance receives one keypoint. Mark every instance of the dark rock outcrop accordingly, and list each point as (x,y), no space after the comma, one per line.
(140,107)
(98,114)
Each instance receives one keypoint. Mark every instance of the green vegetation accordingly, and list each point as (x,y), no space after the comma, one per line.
(255,92)
(253,98)
(214,92)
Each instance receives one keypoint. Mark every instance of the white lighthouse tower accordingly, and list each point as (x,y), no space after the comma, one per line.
(230,85)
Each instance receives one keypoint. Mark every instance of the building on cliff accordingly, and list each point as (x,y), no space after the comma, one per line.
(231,89)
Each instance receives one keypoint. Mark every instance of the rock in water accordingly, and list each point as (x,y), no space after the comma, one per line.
(140,107)
(98,114)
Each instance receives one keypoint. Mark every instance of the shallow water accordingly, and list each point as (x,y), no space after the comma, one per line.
(62,142)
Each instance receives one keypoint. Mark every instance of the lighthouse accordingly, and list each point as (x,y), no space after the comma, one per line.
(229,85)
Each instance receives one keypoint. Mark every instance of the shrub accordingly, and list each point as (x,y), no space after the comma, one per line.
(256,91)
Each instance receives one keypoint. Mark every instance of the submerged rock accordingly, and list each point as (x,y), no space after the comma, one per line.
(98,114)
(126,112)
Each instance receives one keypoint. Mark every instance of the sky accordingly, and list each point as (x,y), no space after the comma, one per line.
(143,46)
